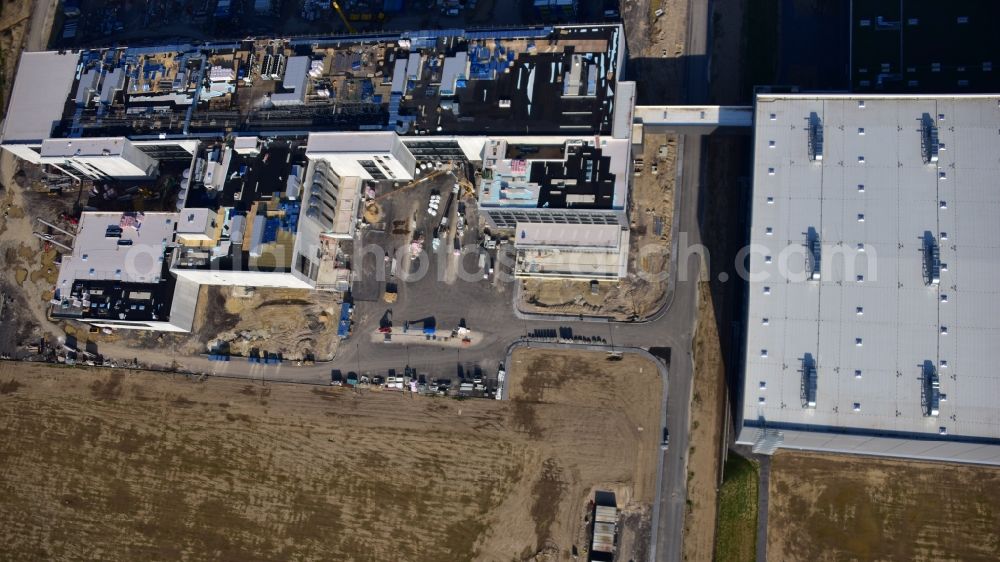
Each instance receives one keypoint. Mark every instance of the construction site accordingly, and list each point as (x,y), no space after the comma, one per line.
(293,210)
(643,291)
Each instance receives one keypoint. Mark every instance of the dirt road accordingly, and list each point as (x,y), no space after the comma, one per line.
(126,466)
(706,434)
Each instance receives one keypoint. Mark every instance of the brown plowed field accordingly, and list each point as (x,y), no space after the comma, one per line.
(119,465)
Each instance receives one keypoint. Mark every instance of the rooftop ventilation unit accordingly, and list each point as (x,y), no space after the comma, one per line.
(809,380)
(814,255)
(931,390)
(815,138)
(929,139)
(932,260)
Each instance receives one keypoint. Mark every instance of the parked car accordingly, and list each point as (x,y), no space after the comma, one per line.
(336,378)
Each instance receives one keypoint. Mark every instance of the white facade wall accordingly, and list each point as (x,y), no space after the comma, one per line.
(155,326)
(114,157)
(27,152)
(345,150)
(347,164)
(283,280)
(190,145)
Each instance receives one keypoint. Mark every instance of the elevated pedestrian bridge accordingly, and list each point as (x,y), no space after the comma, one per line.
(676,116)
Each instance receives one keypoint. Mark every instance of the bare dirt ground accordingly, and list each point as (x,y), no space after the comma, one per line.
(707,408)
(14,19)
(628,299)
(299,324)
(656,48)
(124,465)
(624,397)
(294,322)
(653,193)
(644,291)
(834,507)
(28,267)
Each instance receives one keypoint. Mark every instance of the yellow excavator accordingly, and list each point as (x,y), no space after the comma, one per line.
(343,18)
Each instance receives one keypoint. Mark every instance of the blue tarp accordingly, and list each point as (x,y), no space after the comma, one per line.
(270,230)
(292,209)
(344,328)
(367,89)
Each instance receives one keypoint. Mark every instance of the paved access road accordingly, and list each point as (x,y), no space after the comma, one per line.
(678,326)
(682,314)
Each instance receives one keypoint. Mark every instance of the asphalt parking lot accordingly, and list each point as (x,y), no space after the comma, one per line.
(434,285)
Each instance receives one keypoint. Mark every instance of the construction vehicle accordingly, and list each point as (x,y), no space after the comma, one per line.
(390,293)
(410,185)
(468,190)
(343,18)
(365,11)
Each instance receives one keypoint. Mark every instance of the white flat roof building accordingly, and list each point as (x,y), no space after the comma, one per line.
(368,155)
(124,247)
(519,172)
(571,251)
(115,157)
(43,84)
(115,277)
(296,79)
(873,315)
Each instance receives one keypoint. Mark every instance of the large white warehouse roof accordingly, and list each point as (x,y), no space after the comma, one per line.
(873,313)
(41,89)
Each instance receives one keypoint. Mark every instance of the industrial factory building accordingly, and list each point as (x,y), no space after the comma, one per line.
(872,310)
(270,144)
